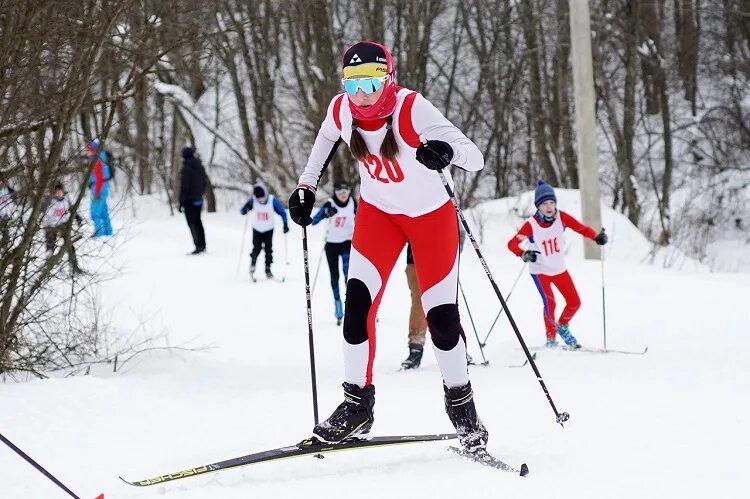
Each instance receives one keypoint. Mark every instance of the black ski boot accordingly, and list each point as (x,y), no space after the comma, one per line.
(459,405)
(352,418)
(414,358)
(269,274)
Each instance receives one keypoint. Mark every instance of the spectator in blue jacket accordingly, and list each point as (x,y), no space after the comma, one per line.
(99,188)
(263,205)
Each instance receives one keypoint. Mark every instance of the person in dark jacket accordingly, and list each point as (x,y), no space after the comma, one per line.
(193,182)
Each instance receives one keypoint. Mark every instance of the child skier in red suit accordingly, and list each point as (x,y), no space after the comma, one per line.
(546,260)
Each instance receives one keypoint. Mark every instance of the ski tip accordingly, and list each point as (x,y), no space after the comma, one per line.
(524,470)
(100,496)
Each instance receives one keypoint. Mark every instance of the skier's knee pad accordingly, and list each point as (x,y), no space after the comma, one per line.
(358,303)
(445,326)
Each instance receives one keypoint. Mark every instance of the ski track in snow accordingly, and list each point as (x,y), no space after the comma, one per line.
(666,424)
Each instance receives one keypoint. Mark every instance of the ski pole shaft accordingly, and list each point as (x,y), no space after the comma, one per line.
(286,249)
(560,417)
(500,312)
(471,319)
(317,271)
(604,303)
(310,324)
(242,245)
(38,466)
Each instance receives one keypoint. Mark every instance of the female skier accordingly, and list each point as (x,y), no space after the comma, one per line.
(399,138)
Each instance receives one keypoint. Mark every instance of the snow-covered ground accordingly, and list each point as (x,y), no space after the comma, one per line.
(670,423)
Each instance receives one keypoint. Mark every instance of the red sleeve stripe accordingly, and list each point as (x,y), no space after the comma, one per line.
(337,111)
(514,244)
(405,125)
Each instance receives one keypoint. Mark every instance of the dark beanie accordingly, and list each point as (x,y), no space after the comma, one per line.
(367,58)
(259,191)
(544,192)
(341,184)
(187,152)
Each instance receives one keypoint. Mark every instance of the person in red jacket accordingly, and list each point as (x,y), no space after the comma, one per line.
(544,253)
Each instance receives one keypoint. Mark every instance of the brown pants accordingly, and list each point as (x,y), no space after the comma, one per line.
(50,239)
(417,321)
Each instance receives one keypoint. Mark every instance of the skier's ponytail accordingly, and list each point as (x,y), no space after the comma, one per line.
(357,144)
(388,149)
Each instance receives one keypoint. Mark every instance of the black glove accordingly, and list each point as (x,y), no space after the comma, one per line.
(601,238)
(529,255)
(301,205)
(435,154)
(330,211)
(286,228)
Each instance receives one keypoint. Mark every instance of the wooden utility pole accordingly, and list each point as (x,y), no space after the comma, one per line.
(583,84)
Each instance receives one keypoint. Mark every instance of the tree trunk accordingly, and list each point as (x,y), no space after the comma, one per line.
(538,117)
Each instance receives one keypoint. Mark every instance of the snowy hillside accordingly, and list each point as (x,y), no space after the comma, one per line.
(670,423)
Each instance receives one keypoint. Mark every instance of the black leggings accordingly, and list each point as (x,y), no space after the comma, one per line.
(193,218)
(262,240)
(333,251)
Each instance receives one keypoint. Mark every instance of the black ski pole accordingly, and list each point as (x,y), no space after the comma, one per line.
(604,302)
(507,299)
(468,310)
(310,323)
(561,417)
(39,468)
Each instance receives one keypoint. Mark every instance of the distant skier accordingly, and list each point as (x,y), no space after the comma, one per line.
(340,210)
(401,198)
(544,253)
(56,217)
(99,188)
(263,205)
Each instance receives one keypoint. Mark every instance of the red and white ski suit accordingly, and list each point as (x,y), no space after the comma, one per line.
(400,201)
(550,268)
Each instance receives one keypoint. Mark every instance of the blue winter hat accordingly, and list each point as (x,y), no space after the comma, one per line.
(259,191)
(544,192)
(187,152)
(92,147)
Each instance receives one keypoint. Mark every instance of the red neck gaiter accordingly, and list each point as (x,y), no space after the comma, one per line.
(383,108)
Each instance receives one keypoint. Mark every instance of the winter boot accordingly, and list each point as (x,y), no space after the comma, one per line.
(269,274)
(339,311)
(414,358)
(459,405)
(352,418)
(570,340)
